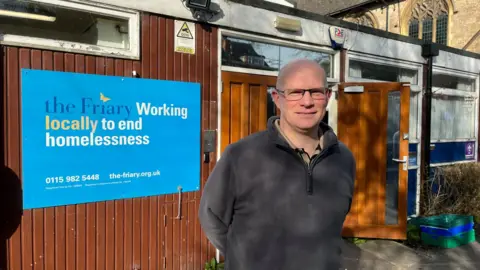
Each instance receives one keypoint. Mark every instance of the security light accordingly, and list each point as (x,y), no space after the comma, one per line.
(198,4)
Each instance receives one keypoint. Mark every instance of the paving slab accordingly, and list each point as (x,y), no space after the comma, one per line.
(397,254)
(384,254)
(356,258)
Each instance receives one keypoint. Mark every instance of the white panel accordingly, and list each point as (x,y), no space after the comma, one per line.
(370,44)
(248,18)
(243,17)
(455,61)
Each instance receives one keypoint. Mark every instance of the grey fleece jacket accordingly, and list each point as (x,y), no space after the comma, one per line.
(265,208)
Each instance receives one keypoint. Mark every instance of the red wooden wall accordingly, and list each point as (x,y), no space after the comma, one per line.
(130,234)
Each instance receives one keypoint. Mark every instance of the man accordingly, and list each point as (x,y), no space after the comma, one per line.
(277,199)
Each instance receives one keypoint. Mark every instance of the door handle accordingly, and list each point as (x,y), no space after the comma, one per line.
(404,161)
(399,160)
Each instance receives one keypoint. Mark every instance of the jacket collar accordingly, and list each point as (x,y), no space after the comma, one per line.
(329,138)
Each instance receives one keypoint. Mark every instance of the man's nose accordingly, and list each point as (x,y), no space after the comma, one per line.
(307,99)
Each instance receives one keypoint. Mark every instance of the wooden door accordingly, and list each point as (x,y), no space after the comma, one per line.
(245,105)
(374,125)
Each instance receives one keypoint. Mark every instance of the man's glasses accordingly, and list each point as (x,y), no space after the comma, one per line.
(297,94)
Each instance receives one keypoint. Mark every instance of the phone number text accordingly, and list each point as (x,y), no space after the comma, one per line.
(72,178)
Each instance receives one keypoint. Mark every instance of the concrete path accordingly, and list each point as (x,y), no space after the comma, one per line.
(384,255)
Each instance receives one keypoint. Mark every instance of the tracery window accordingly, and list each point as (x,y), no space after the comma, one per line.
(429,21)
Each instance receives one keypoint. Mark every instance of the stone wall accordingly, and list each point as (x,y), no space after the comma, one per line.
(464,22)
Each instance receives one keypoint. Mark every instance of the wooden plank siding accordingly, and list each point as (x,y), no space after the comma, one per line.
(140,233)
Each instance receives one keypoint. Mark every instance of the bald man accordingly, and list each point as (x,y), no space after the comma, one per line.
(277,199)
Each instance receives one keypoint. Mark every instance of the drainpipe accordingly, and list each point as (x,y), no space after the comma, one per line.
(429,51)
(387,18)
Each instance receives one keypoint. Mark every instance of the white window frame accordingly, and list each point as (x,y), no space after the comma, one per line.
(459,93)
(335,61)
(384,61)
(133,18)
(417,88)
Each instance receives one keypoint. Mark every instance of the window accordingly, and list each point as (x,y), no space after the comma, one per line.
(453,82)
(453,107)
(427,29)
(251,54)
(413,28)
(381,72)
(69,26)
(359,70)
(428,20)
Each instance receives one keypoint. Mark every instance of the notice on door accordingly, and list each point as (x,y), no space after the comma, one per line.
(184,37)
(89,138)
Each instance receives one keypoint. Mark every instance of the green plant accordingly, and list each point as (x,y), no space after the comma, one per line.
(214,265)
(356,240)
(413,234)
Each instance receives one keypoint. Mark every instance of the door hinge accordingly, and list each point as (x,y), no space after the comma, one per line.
(164,220)
(221,91)
(164,263)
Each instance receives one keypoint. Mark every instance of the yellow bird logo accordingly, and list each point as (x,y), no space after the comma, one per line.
(104,98)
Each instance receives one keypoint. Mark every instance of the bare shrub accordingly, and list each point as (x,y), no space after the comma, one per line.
(454,189)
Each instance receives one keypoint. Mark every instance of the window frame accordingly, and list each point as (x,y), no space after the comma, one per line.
(335,55)
(132,16)
(384,61)
(459,93)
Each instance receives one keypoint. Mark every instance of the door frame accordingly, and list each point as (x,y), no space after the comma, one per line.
(353,226)
(414,88)
(226,78)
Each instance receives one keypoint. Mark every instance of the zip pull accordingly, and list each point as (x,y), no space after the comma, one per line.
(309,183)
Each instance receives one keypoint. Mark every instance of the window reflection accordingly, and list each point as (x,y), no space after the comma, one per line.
(248,54)
(379,72)
(288,54)
(453,82)
(48,21)
(264,56)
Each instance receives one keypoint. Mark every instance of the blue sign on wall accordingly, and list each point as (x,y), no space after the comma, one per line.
(88,138)
(445,152)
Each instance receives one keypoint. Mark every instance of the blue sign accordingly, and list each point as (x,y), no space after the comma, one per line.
(88,138)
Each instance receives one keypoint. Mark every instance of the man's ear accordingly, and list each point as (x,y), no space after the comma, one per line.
(276,98)
(329,94)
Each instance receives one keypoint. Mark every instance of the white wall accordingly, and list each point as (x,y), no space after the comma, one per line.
(242,17)
(459,62)
(380,46)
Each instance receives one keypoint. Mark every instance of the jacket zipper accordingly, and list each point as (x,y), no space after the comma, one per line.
(309,167)
(312,164)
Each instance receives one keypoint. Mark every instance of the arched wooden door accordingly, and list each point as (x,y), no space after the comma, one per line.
(373,121)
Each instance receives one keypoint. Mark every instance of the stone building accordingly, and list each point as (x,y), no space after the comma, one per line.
(455,23)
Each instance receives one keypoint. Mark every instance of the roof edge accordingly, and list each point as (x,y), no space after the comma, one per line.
(348,25)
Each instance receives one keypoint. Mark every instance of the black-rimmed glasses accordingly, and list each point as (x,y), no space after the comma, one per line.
(297,94)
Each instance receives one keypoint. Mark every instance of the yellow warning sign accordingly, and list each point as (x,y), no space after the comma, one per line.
(185,32)
(184,36)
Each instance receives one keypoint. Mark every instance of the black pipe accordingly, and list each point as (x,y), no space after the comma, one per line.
(386,15)
(429,50)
